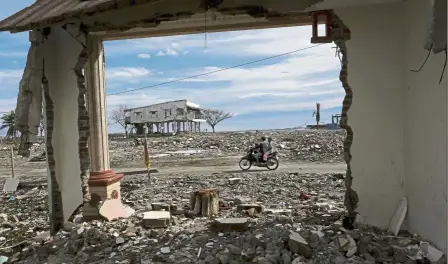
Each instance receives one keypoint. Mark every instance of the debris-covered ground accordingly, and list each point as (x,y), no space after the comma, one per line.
(324,146)
(283,217)
(280,218)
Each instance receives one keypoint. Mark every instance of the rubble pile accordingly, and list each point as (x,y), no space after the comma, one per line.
(37,153)
(323,146)
(307,145)
(265,218)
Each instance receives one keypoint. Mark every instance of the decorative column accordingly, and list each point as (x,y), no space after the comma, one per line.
(104,183)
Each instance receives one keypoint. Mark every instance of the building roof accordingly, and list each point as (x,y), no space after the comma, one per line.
(48,12)
(189,104)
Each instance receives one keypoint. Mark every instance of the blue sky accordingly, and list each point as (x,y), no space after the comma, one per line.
(275,93)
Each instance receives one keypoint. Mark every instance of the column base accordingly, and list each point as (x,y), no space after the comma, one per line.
(105,202)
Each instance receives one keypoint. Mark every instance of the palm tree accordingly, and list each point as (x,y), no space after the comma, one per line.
(316,114)
(9,122)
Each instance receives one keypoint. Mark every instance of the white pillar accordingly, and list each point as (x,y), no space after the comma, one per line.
(104,184)
(96,96)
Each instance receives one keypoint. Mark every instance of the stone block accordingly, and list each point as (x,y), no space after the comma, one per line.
(156,219)
(233,181)
(231,224)
(160,207)
(297,244)
(243,207)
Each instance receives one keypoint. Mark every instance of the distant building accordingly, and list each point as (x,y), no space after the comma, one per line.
(173,116)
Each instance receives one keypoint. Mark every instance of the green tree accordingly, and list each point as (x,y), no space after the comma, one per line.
(9,123)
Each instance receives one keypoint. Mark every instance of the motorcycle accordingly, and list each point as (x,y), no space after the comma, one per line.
(249,160)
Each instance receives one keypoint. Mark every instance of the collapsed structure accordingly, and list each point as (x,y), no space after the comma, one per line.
(166,117)
(393,149)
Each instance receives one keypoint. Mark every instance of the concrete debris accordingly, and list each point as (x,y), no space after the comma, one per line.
(310,146)
(233,181)
(430,252)
(160,207)
(267,217)
(231,224)
(11,185)
(297,244)
(3,259)
(156,219)
(246,207)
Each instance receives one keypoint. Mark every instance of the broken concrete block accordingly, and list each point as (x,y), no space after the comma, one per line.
(233,181)
(347,244)
(399,254)
(297,244)
(113,209)
(156,219)
(243,207)
(160,207)
(11,185)
(231,224)
(430,252)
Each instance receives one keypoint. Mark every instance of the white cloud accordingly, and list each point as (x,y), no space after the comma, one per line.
(7,104)
(171,52)
(127,72)
(143,56)
(9,79)
(293,82)
(167,52)
(238,43)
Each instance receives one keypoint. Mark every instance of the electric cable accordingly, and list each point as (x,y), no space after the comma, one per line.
(220,70)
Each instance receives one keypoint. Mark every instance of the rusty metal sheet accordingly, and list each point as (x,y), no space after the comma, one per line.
(50,11)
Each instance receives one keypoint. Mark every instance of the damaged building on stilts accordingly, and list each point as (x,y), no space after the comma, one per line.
(167,117)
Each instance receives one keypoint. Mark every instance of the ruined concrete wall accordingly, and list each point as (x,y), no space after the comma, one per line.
(375,67)
(425,131)
(399,118)
(61,55)
(29,100)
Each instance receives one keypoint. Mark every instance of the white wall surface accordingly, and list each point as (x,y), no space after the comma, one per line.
(61,54)
(375,74)
(399,118)
(425,127)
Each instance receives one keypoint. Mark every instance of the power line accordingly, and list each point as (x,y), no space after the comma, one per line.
(220,70)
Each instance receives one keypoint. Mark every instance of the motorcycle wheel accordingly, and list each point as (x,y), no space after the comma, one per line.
(272,163)
(245,164)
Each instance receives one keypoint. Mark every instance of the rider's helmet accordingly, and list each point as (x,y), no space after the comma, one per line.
(269,139)
(263,138)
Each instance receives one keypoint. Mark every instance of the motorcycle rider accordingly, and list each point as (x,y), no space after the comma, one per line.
(261,149)
(268,149)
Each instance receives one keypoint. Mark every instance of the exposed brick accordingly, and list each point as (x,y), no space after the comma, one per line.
(57,212)
(83,124)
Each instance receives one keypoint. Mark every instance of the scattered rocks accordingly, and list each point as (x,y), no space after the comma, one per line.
(269,217)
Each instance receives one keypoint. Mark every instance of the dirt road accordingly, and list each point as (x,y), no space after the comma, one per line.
(227,165)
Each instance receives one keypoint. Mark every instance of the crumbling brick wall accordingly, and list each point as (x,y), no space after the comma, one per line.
(83,124)
(56,206)
(341,34)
